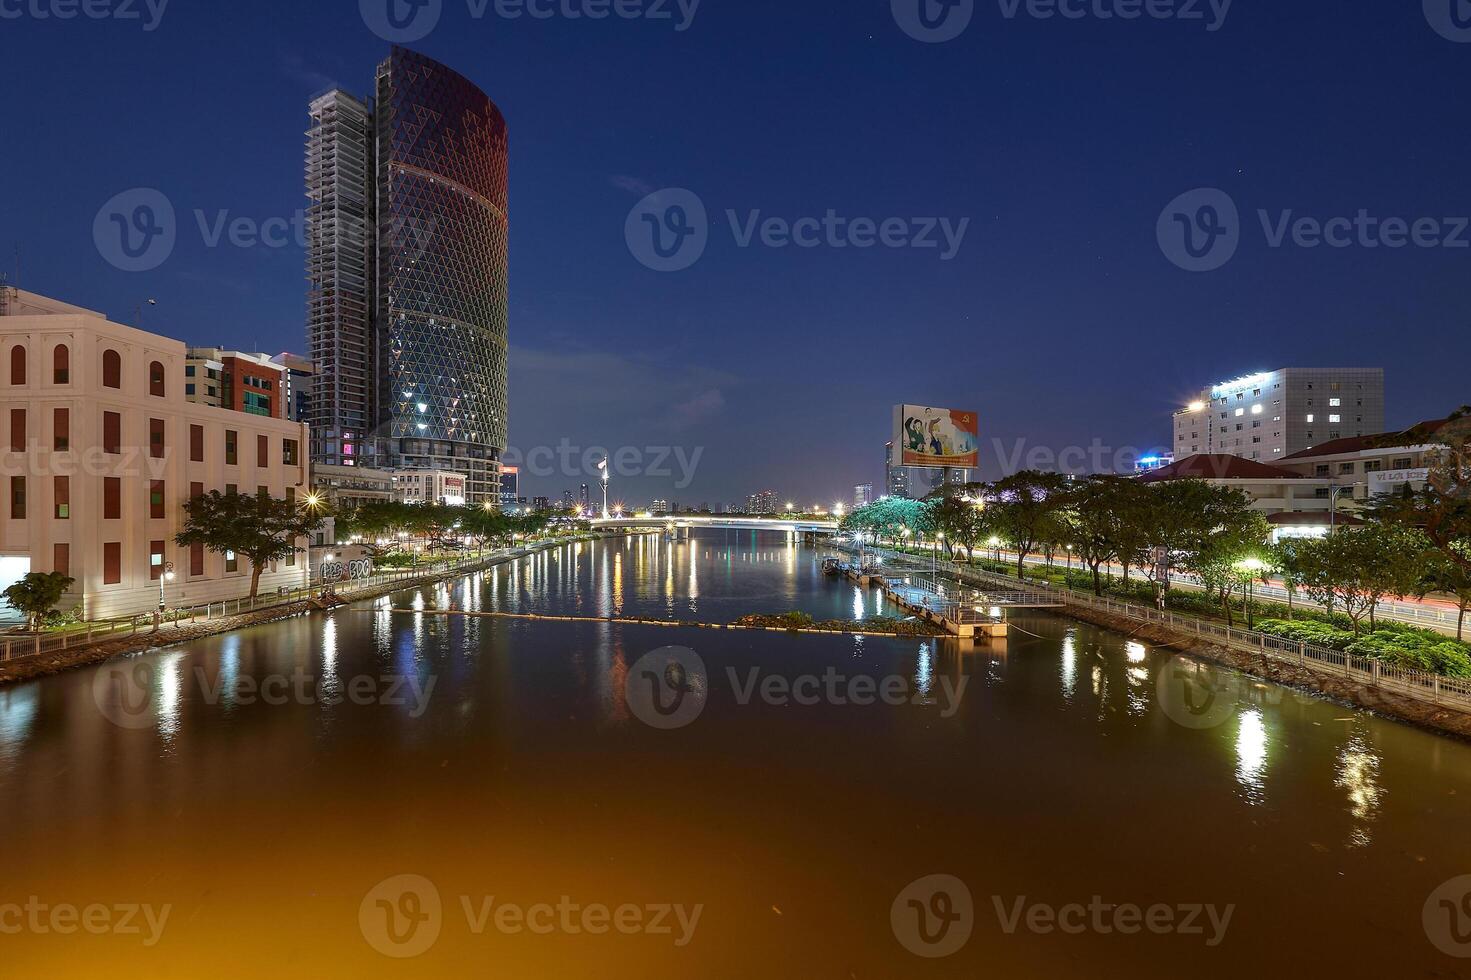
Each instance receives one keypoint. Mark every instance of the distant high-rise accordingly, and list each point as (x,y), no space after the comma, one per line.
(896,478)
(407,260)
(862,495)
(1270,416)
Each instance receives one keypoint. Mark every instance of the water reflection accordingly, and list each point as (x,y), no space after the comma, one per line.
(1358,776)
(170,689)
(1251,755)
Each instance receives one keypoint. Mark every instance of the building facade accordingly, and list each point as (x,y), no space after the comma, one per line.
(300,375)
(862,495)
(1268,417)
(407,319)
(250,383)
(445,487)
(511,487)
(103,449)
(896,478)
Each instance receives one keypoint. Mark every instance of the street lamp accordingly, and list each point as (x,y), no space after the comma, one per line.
(327,559)
(1333,493)
(167,576)
(603,467)
(1252,567)
(935,551)
(1069,564)
(995,544)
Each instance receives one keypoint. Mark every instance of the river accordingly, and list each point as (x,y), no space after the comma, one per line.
(381,792)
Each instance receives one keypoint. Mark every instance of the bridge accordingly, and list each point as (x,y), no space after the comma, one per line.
(684,523)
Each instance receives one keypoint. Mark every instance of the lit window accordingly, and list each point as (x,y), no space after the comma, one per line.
(1240,412)
(1335,402)
(1335,418)
(1256,410)
(1310,418)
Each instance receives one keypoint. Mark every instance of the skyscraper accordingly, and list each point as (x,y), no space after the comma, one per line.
(407,259)
(896,478)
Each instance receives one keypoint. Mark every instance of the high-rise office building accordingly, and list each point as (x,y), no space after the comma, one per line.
(510,486)
(862,495)
(407,260)
(896,478)
(1270,416)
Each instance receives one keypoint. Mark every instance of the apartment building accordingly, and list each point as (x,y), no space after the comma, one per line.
(102,449)
(241,382)
(1270,416)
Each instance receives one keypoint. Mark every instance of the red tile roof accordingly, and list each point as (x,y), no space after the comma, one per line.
(1415,435)
(1219,466)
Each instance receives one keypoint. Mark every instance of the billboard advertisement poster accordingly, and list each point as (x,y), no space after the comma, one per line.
(937,437)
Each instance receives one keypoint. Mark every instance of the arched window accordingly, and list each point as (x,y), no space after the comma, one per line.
(17,365)
(112,369)
(155,379)
(61,363)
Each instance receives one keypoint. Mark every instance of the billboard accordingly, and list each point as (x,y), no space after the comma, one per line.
(937,437)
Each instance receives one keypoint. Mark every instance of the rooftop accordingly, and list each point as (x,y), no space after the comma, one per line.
(1218,466)
(1415,435)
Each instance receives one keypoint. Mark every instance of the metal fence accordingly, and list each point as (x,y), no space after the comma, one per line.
(1453,692)
(17,646)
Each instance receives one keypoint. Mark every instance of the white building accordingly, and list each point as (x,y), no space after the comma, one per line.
(1269,416)
(659,507)
(445,487)
(862,495)
(103,449)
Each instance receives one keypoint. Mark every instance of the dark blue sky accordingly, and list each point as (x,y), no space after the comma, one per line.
(1060,319)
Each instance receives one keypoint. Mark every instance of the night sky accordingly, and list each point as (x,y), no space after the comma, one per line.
(1060,318)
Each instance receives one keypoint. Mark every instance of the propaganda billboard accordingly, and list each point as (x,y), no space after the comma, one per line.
(937,437)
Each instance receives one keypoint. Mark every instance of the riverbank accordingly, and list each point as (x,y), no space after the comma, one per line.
(56,661)
(1295,667)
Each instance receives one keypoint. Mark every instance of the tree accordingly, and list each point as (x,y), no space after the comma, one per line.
(1442,576)
(1357,569)
(1230,555)
(961,520)
(1442,508)
(262,528)
(1285,558)
(1091,520)
(36,595)
(1177,521)
(1024,507)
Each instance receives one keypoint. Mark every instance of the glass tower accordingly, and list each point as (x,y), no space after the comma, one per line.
(436,294)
